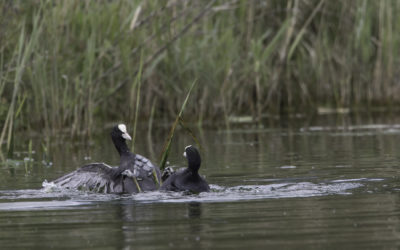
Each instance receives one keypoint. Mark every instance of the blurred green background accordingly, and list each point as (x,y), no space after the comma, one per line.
(74,64)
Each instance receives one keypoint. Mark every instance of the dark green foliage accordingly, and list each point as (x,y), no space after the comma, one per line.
(74,63)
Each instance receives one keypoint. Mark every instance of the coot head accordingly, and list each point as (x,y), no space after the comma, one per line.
(119,135)
(119,131)
(193,157)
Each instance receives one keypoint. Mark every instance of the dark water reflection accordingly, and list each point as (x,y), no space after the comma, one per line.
(322,184)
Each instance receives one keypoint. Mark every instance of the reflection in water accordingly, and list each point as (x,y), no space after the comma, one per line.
(196,226)
(133,217)
(194,210)
(140,224)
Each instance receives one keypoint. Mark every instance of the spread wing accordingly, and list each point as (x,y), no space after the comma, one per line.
(144,163)
(148,174)
(95,177)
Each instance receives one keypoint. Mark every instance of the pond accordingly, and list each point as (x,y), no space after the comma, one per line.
(327,182)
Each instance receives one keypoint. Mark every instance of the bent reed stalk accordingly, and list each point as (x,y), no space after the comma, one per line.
(74,60)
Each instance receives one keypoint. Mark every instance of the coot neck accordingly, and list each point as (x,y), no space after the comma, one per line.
(194,166)
(121,146)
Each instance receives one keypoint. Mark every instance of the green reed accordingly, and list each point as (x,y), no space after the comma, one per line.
(167,145)
(135,94)
(71,64)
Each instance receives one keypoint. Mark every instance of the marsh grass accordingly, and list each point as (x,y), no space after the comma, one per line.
(135,94)
(73,64)
(167,144)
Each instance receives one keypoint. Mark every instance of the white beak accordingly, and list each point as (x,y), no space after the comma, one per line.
(126,136)
(184,153)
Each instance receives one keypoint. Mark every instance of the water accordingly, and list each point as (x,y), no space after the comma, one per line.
(321,184)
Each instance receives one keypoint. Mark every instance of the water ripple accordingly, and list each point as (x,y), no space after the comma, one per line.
(53,197)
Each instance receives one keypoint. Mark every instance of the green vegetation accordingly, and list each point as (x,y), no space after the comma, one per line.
(71,64)
(167,146)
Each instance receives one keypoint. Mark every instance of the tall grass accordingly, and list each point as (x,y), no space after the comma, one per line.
(167,145)
(73,62)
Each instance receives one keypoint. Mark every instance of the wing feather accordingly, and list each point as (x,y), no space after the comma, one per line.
(95,177)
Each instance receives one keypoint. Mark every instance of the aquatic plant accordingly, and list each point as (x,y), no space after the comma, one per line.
(167,145)
(71,64)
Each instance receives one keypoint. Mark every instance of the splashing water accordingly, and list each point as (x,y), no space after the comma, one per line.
(51,196)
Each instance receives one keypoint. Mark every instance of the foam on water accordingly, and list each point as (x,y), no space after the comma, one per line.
(252,192)
(38,205)
(53,197)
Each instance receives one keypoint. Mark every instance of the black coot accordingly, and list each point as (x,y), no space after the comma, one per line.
(187,179)
(134,174)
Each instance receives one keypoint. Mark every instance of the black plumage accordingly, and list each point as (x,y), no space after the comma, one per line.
(187,179)
(134,174)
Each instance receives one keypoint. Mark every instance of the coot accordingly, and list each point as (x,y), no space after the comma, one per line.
(187,179)
(134,174)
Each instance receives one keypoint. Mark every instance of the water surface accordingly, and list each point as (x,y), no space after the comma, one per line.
(325,183)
